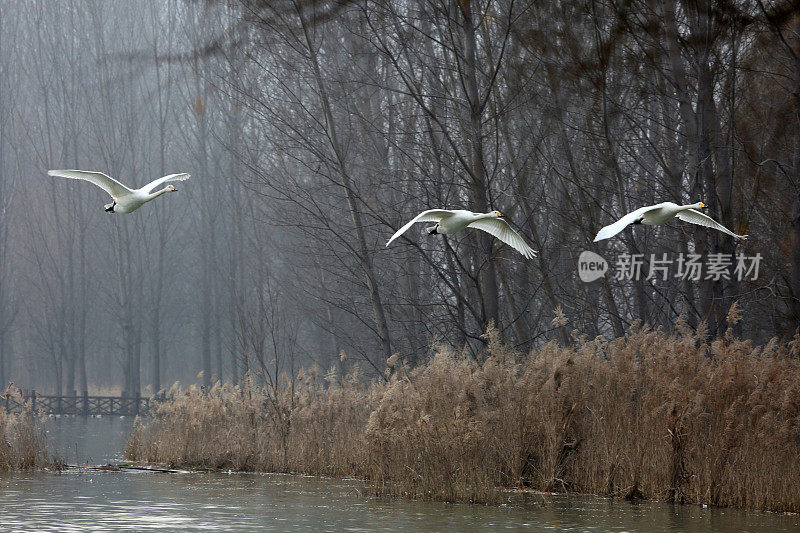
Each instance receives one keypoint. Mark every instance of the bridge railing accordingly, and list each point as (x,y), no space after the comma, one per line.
(78,405)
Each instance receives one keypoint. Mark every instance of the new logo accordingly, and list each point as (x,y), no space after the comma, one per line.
(591,266)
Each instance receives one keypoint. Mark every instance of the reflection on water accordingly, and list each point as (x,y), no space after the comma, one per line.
(77,501)
(102,501)
(81,440)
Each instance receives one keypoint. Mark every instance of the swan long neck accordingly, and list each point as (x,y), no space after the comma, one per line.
(698,205)
(157,193)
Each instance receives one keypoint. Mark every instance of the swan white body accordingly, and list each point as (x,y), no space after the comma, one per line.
(124,200)
(451,221)
(653,215)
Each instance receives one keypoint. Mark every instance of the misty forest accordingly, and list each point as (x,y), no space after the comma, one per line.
(312,134)
(314,130)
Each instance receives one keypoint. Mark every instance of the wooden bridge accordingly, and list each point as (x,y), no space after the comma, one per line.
(84,405)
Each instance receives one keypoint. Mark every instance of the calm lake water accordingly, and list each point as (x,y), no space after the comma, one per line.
(112,501)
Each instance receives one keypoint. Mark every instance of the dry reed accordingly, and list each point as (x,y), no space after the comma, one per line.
(22,442)
(651,415)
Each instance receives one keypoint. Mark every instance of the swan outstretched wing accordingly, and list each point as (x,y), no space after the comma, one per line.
(431,215)
(612,229)
(500,229)
(105,182)
(171,177)
(701,219)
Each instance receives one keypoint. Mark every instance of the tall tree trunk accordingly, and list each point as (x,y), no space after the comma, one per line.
(206,232)
(707,242)
(155,330)
(688,130)
(478,185)
(795,235)
(365,256)
(82,312)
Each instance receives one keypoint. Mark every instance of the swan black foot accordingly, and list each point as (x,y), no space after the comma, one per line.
(638,220)
(432,230)
(110,207)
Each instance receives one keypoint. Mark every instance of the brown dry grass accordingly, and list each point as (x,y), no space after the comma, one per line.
(22,442)
(308,427)
(654,414)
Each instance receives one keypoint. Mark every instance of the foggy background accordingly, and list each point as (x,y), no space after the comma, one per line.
(313,130)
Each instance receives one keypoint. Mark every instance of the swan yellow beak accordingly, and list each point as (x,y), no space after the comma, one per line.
(171,188)
(499,214)
(703,205)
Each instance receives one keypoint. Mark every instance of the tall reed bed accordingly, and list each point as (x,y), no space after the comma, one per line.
(653,415)
(22,442)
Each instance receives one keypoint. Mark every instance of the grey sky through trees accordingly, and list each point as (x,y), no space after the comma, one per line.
(313,130)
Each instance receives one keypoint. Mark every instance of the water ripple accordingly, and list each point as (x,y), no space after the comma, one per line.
(127,501)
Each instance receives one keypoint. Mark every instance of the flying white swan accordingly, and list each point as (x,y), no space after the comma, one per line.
(124,200)
(451,221)
(660,213)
